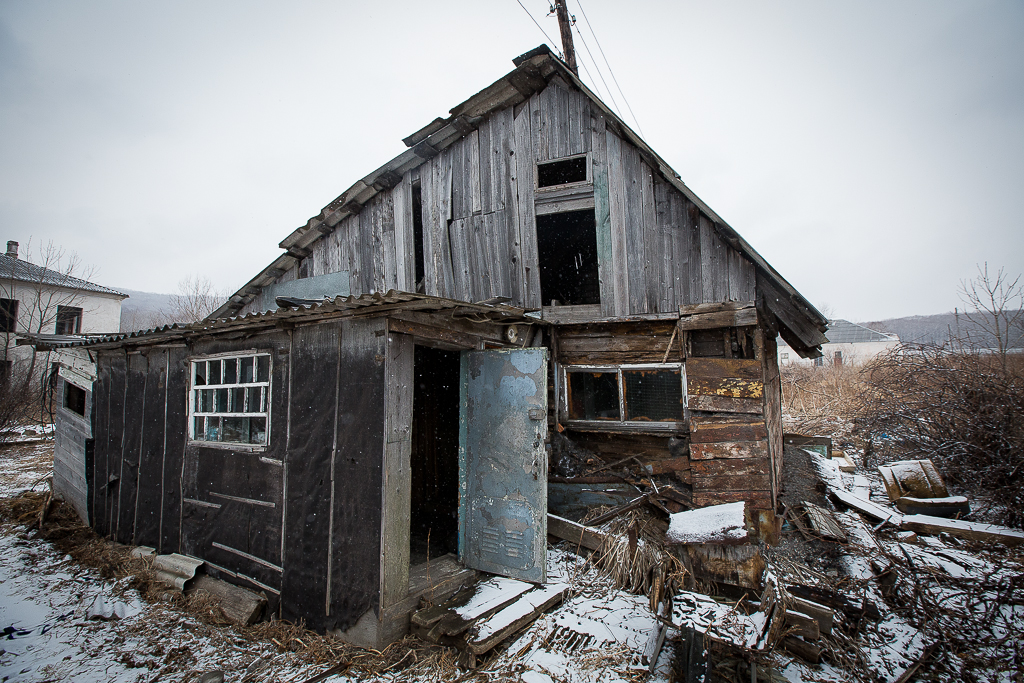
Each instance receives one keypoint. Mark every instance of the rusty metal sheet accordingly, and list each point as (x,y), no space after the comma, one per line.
(503,462)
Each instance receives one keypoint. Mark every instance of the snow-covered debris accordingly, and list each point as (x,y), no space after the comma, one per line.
(714,524)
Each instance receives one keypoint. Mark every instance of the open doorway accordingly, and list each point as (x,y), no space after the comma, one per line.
(434,513)
(567,250)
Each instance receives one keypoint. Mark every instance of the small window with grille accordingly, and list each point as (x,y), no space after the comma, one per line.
(230,399)
(605,395)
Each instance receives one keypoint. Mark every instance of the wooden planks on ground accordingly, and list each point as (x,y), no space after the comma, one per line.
(823,522)
(484,635)
(867,507)
(974,531)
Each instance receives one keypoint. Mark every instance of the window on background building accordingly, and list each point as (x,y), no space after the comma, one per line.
(839,358)
(624,394)
(819,361)
(230,401)
(8,315)
(785,356)
(69,320)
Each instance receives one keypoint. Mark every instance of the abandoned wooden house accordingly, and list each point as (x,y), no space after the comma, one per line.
(389,390)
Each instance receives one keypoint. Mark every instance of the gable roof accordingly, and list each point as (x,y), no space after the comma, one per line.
(801,324)
(12,268)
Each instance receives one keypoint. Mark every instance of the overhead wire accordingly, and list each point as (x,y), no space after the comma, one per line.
(611,96)
(610,71)
(553,43)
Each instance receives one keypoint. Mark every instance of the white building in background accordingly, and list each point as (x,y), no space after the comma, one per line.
(40,301)
(848,343)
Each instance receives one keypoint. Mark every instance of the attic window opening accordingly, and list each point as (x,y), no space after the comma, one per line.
(627,394)
(74,398)
(562,172)
(230,401)
(567,251)
(69,320)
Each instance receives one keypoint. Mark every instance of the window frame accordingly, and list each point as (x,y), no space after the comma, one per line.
(66,313)
(9,315)
(622,424)
(193,387)
(584,184)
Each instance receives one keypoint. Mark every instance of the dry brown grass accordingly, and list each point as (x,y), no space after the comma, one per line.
(822,400)
(114,562)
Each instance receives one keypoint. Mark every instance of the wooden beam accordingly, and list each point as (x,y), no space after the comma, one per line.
(577,534)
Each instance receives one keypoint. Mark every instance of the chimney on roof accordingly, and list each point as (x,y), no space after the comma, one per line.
(12,248)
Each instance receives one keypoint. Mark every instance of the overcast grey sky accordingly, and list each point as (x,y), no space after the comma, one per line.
(873,152)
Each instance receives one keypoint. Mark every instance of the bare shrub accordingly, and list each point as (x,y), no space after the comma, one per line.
(821,399)
(964,410)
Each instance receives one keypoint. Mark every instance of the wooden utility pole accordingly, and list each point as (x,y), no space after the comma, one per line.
(565,27)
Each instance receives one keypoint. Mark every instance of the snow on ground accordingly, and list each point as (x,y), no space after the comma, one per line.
(712,524)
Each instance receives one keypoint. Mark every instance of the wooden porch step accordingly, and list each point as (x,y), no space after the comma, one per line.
(480,617)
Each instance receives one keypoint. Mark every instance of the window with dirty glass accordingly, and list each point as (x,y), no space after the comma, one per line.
(8,315)
(625,393)
(69,320)
(562,171)
(230,401)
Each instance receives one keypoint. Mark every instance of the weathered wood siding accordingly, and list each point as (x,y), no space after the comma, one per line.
(656,251)
(72,448)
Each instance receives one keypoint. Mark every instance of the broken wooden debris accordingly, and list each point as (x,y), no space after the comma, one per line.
(844,462)
(950,506)
(577,534)
(469,605)
(802,624)
(824,523)
(867,507)
(241,607)
(975,531)
(484,635)
(801,648)
(823,615)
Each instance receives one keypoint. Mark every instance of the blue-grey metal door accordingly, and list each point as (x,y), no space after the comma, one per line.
(503,498)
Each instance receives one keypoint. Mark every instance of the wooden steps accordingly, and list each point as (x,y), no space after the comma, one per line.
(479,617)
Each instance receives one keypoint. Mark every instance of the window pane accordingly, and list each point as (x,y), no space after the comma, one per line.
(237,400)
(207,406)
(593,395)
(214,372)
(254,405)
(230,371)
(236,429)
(200,373)
(653,395)
(213,429)
(262,368)
(221,405)
(258,430)
(245,369)
(199,428)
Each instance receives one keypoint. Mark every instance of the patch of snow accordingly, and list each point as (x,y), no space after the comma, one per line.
(713,524)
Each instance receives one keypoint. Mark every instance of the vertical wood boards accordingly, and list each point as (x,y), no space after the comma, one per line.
(655,257)
(772,403)
(310,451)
(149,501)
(71,473)
(524,247)
(405,247)
(602,215)
(436,192)
(175,438)
(358,477)
(636,263)
(619,227)
(115,441)
(101,389)
(397,485)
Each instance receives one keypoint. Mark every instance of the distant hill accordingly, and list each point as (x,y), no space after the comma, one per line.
(143,310)
(936,329)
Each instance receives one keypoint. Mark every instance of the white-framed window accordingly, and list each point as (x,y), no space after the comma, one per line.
(653,395)
(229,399)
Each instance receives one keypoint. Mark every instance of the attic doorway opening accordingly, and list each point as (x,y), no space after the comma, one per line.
(567,250)
(434,471)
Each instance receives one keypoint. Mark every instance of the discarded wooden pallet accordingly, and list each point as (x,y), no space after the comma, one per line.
(824,523)
(480,617)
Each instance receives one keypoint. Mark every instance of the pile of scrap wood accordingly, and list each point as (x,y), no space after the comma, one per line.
(916,487)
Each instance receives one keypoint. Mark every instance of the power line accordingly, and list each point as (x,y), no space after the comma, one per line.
(614,80)
(596,68)
(553,43)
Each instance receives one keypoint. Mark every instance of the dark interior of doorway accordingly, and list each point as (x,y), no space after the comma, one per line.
(567,249)
(434,513)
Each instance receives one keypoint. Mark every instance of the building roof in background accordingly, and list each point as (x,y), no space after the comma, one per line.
(12,268)
(845,332)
